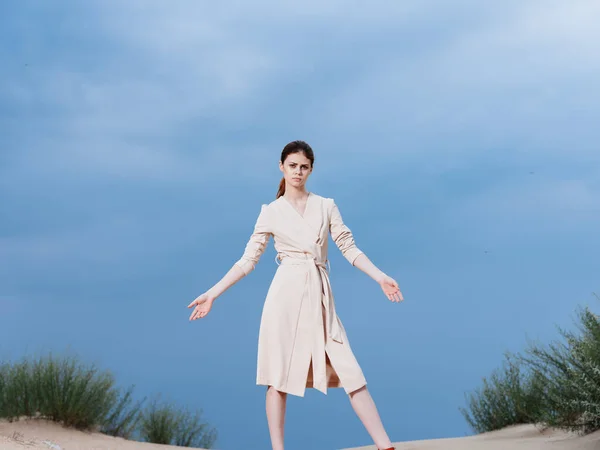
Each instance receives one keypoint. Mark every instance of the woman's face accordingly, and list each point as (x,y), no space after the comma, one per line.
(296,168)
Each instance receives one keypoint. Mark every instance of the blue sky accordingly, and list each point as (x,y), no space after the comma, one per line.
(138,140)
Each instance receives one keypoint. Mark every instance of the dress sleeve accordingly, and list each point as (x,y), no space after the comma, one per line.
(256,244)
(342,236)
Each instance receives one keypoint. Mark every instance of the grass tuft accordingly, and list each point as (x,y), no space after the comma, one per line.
(66,391)
(555,385)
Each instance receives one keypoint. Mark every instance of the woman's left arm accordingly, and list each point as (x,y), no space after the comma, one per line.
(366,265)
(388,284)
(343,238)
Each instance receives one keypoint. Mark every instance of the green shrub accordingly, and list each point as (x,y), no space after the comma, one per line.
(509,397)
(572,373)
(123,419)
(555,385)
(59,389)
(163,423)
(79,396)
(4,382)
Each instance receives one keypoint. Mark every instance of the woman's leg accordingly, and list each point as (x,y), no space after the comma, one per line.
(365,409)
(275,404)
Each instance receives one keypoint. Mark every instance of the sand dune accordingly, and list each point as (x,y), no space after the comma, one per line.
(521,437)
(41,434)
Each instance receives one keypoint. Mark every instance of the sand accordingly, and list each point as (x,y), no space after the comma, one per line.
(519,437)
(41,434)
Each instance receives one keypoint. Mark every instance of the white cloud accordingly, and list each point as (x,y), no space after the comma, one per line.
(421,82)
(526,78)
(544,40)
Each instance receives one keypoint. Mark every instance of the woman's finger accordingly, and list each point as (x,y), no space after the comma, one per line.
(197,301)
(196,314)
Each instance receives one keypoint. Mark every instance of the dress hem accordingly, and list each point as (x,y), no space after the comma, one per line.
(280,388)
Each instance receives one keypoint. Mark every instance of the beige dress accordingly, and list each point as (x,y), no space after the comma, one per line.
(302,342)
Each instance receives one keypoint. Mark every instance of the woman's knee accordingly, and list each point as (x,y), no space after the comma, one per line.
(355,391)
(272,390)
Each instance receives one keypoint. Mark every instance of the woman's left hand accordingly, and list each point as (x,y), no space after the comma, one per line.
(390,289)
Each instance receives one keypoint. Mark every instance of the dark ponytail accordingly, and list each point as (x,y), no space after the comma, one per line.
(294,147)
(281,190)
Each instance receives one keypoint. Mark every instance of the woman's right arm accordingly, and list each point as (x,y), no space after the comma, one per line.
(234,275)
(256,244)
(254,249)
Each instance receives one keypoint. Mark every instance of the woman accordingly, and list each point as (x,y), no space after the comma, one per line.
(302,342)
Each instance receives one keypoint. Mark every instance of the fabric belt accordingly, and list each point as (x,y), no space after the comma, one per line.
(319,286)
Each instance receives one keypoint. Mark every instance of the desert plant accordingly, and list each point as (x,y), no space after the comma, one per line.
(63,390)
(67,391)
(510,396)
(4,377)
(556,385)
(571,369)
(71,393)
(158,423)
(192,432)
(164,423)
(123,418)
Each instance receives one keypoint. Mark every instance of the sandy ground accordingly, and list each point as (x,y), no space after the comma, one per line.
(40,434)
(520,437)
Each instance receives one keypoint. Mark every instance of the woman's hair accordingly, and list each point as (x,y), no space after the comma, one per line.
(294,147)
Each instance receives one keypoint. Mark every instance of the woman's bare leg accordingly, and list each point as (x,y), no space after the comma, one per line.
(365,409)
(275,405)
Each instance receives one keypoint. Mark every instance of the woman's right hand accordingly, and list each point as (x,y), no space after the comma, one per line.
(203,303)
